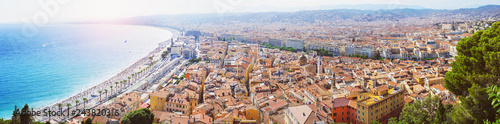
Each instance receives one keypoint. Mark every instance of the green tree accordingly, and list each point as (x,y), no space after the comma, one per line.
(420,112)
(106,91)
(440,114)
(459,115)
(494,95)
(25,118)
(476,67)
(88,121)
(141,116)
(376,55)
(323,52)
(84,102)
(128,80)
(124,82)
(393,120)
(110,88)
(375,122)
(77,101)
(69,105)
(15,117)
(60,106)
(2,121)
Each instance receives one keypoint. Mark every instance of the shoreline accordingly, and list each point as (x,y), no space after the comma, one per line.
(123,74)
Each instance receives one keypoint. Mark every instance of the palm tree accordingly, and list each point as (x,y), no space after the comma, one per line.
(69,105)
(77,101)
(133,76)
(100,92)
(124,81)
(60,106)
(106,90)
(129,79)
(111,87)
(116,84)
(84,102)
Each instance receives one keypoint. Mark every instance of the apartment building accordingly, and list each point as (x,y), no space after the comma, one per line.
(379,104)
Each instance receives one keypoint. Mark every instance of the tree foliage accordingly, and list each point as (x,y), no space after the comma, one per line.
(358,56)
(476,67)
(141,116)
(494,95)
(421,112)
(323,52)
(376,55)
(88,121)
(290,49)
(164,54)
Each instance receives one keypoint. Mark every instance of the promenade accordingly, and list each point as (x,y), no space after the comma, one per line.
(131,78)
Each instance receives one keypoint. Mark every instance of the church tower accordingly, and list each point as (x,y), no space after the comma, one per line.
(202,88)
(320,65)
(333,81)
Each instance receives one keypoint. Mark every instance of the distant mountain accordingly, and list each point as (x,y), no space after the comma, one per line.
(373,7)
(473,6)
(369,14)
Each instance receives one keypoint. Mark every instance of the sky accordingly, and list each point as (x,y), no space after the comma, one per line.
(53,11)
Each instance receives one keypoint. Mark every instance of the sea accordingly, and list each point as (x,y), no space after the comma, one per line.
(46,64)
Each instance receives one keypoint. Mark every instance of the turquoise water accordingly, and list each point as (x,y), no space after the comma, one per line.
(61,60)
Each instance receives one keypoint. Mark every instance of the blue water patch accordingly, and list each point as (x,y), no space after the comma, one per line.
(61,60)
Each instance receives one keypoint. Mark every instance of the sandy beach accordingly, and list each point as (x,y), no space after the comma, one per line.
(138,69)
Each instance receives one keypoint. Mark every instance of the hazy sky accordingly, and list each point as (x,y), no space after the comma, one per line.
(78,10)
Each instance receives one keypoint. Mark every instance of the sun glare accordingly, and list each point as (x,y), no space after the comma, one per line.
(109,9)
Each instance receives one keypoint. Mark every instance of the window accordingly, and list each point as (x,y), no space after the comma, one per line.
(358,111)
(342,113)
(348,112)
(372,113)
(334,114)
(363,113)
(342,119)
(342,107)
(334,108)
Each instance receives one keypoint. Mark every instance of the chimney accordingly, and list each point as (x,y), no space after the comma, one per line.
(303,114)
